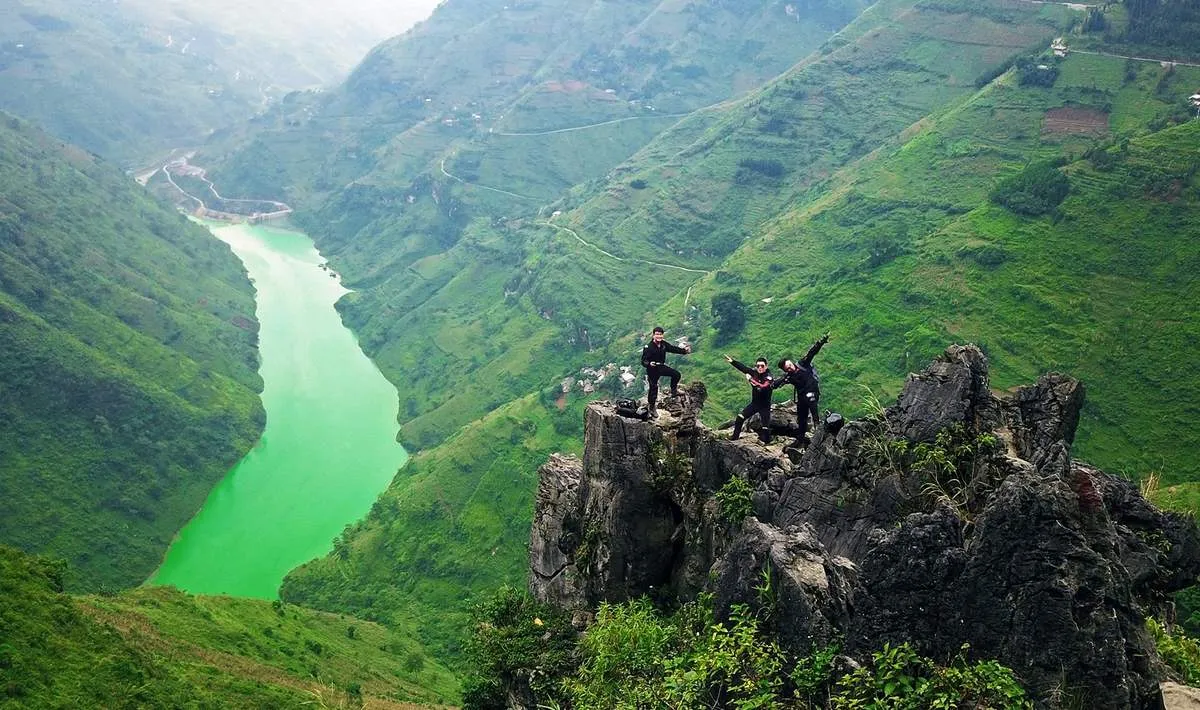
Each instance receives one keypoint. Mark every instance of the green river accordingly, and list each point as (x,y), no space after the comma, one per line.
(329,448)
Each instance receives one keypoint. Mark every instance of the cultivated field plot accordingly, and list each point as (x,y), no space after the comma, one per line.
(1075,120)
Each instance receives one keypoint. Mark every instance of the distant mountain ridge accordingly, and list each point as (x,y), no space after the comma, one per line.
(132,80)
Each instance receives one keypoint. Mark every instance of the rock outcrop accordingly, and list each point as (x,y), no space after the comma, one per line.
(953,517)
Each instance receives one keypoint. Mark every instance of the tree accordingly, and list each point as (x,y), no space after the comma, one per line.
(729,315)
(1036,190)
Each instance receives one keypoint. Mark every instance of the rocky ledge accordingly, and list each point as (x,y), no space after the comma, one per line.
(952,517)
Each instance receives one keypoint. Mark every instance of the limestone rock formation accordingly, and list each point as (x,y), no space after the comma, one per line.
(952,517)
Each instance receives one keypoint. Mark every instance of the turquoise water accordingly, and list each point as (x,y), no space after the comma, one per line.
(329,448)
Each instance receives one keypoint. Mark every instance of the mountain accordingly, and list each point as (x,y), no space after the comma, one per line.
(394,166)
(953,522)
(132,80)
(931,172)
(161,648)
(127,362)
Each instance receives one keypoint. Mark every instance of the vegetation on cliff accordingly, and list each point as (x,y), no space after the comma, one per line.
(635,656)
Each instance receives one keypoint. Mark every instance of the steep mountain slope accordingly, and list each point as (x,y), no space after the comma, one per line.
(486,67)
(128,371)
(566,303)
(915,247)
(658,222)
(161,648)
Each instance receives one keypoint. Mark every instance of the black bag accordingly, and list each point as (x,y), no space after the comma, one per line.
(630,409)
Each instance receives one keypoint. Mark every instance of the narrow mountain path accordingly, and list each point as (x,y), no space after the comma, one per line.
(280,208)
(1136,59)
(610,255)
(484,187)
(182,191)
(1072,5)
(597,125)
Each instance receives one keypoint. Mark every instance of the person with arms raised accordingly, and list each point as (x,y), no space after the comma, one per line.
(760,398)
(803,376)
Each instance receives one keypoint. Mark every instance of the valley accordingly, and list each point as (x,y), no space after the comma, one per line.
(328,448)
(491,212)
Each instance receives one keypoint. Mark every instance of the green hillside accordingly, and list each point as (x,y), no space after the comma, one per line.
(453,523)
(160,648)
(910,250)
(685,200)
(920,180)
(128,370)
(393,173)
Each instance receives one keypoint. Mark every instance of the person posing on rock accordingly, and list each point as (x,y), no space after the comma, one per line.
(803,376)
(760,398)
(654,359)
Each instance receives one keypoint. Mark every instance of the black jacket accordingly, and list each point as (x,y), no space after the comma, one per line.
(761,384)
(804,377)
(656,354)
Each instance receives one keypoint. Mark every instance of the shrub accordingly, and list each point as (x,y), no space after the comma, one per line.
(622,658)
(765,166)
(518,647)
(1036,190)
(734,498)
(1030,72)
(731,665)
(634,657)
(1179,651)
(729,315)
(899,678)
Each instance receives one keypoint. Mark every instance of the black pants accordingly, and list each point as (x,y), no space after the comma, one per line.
(806,404)
(764,418)
(652,375)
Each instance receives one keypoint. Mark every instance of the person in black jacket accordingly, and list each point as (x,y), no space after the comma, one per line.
(760,398)
(801,375)
(654,359)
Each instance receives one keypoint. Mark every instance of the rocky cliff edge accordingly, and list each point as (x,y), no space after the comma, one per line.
(952,517)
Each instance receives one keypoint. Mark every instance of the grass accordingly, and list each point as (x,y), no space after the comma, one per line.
(277,644)
(880,230)
(161,648)
(1075,292)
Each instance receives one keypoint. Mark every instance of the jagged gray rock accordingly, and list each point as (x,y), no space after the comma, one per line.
(557,531)
(952,390)
(952,517)
(807,589)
